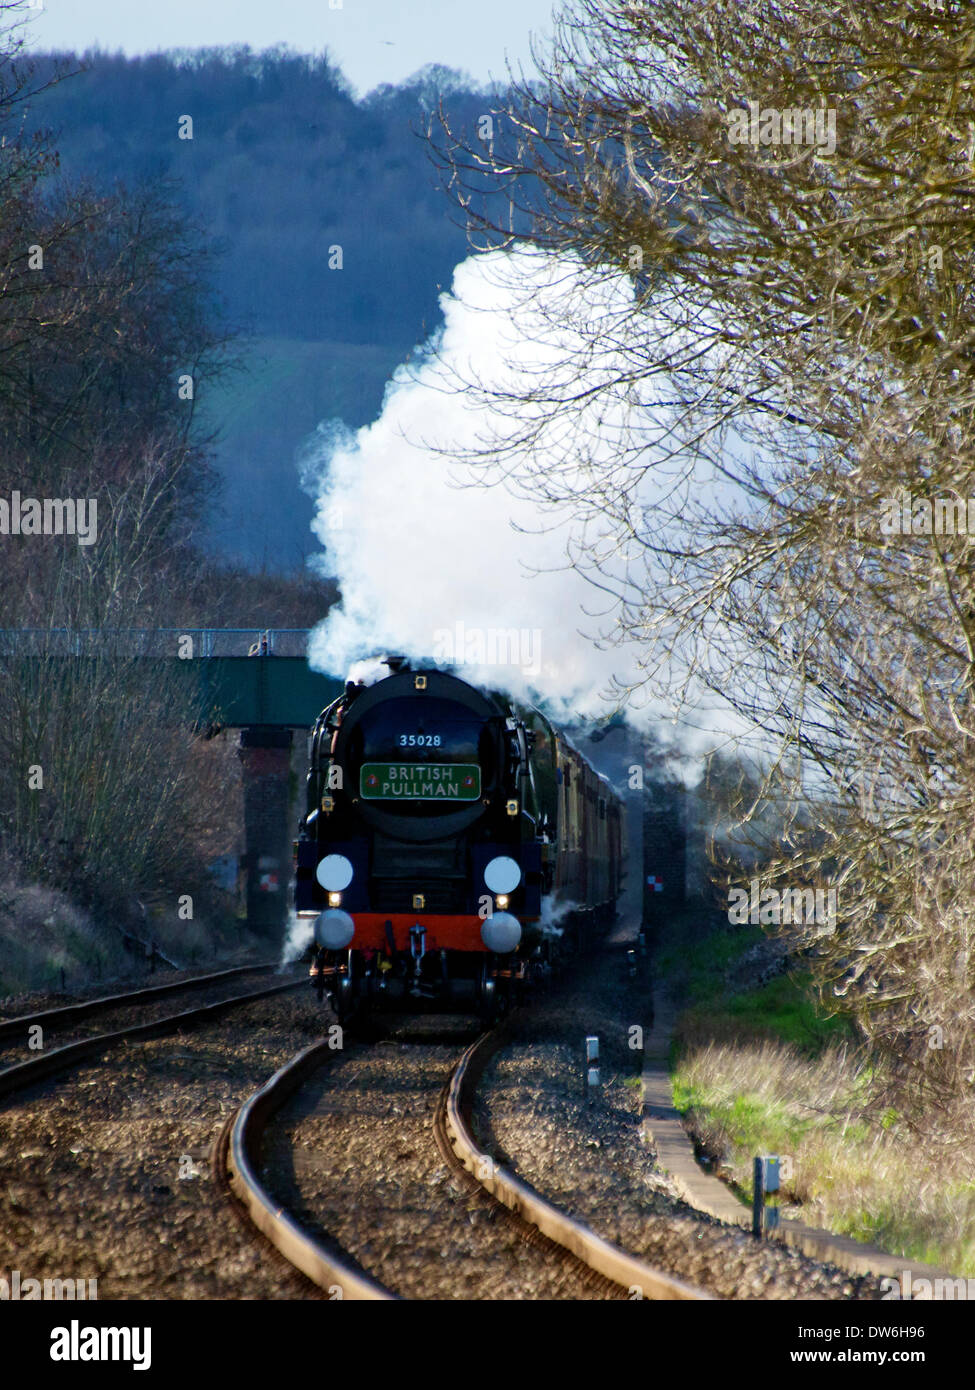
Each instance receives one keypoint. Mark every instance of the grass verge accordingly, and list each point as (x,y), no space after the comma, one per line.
(760,1068)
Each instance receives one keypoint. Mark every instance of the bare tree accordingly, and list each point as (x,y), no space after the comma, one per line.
(759,219)
(107,786)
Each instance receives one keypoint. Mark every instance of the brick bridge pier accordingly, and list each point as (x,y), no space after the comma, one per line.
(265,755)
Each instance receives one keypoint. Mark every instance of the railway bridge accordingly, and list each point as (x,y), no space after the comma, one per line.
(255,681)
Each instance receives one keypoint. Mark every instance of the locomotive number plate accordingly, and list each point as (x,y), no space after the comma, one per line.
(420,782)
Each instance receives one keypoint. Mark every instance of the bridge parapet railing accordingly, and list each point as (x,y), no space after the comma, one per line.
(183,643)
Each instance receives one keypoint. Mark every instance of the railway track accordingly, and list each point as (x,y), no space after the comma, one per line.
(104,1172)
(456,1139)
(237,1159)
(584,1263)
(66,1014)
(386,1220)
(48,1063)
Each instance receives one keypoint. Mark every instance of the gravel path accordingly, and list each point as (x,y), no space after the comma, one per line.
(105,1173)
(353,1156)
(589,1158)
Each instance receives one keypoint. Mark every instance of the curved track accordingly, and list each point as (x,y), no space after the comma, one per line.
(638,1278)
(237,1153)
(602,1269)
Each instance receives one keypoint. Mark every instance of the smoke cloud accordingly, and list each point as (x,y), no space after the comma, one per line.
(474,576)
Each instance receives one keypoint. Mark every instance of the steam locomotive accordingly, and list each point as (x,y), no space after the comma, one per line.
(454,848)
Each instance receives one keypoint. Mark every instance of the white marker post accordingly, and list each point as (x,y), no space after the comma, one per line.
(592,1064)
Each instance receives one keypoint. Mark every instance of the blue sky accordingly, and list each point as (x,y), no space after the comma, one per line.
(372,40)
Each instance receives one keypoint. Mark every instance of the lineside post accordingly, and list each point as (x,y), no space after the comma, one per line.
(765,1183)
(592,1065)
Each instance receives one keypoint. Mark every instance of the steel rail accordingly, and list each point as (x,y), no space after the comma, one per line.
(48,1064)
(522,1199)
(73,1013)
(240,1153)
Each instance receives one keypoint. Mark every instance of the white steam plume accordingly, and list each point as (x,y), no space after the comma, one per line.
(436,570)
(298,936)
